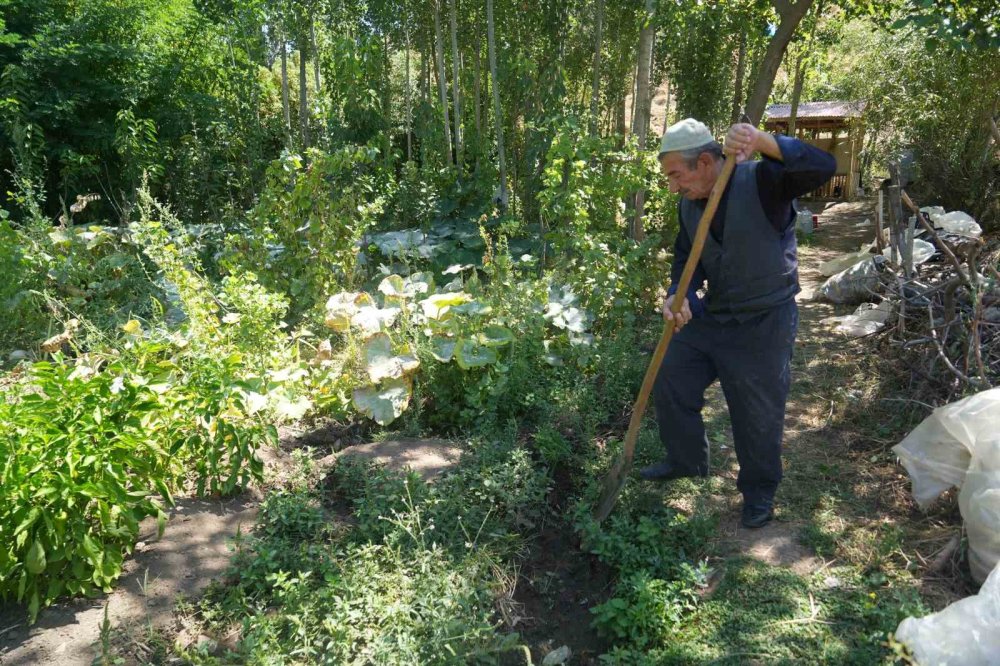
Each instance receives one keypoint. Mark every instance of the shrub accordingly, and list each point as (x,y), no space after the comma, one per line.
(24,322)
(86,450)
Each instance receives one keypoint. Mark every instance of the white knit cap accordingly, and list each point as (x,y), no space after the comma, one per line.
(684,135)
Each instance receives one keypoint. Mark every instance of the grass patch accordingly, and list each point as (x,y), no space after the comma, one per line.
(764,614)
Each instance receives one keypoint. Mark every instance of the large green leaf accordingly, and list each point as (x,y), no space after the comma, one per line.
(392,286)
(35,561)
(371,319)
(442,348)
(292,409)
(496,336)
(418,283)
(473,308)
(342,307)
(567,317)
(384,404)
(437,305)
(468,354)
(398,288)
(382,364)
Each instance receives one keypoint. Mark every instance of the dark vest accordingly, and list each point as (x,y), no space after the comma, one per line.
(755,267)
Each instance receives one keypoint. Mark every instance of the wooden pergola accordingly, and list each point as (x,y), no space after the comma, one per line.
(838,128)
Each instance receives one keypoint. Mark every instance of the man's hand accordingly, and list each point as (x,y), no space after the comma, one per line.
(741,141)
(683,317)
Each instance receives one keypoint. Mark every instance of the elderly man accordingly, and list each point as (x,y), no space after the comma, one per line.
(743,332)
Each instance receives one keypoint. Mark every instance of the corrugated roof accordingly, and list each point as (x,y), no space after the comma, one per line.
(833,109)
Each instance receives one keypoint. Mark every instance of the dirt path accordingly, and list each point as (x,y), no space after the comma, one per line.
(842,228)
(193,552)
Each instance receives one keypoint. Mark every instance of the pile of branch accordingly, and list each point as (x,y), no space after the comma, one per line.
(946,314)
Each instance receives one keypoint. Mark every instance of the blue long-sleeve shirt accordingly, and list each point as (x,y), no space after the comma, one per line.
(801,170)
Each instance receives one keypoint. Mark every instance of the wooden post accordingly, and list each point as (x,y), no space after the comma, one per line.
(879,226)
(901,254)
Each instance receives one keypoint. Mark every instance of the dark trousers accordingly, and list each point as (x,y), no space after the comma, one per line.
(752,361)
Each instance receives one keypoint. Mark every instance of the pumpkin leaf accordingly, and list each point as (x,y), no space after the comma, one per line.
(341,308)
(384,404)
(438,305)
(292,410)
(442,348)
(371,319)
(496,336)
(382,364)
(469,354)
(392,286)
(473,308)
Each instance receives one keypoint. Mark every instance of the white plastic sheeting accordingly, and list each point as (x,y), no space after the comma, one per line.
(844,261)
(867,319)
(958,445)
(922,251)
(957,222)
(854,285)
(966,633)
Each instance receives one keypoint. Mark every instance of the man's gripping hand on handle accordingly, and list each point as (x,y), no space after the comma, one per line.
(681,318)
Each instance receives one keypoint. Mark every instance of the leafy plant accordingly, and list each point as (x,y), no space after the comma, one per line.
(86,449)
(645,610)
(303,235)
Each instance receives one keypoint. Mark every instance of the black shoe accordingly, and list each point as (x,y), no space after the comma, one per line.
(664,471)
(757,515)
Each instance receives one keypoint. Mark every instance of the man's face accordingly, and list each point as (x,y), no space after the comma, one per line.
(690,183)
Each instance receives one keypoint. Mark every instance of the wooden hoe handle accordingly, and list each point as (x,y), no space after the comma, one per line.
(615,479)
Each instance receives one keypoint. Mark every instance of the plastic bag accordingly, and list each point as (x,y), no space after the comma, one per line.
(937,453)
(854,285)
(959,445)
(957,222)
(963,634)
(867,319)
(979,503)
(843,262)
(922,251)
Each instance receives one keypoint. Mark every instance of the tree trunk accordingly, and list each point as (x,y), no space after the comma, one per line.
(386,101)
(666,108)
(796,92)
(456,89)
(790,16)
(595,88)
(315,55)
(324,137)
(425,73)
(641,103)
(502,196)
(409,106)
(620,126)
(442,85)
(285,104)
(741,63)
(303,99)
(635,91)
(478,101)
(801,69)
